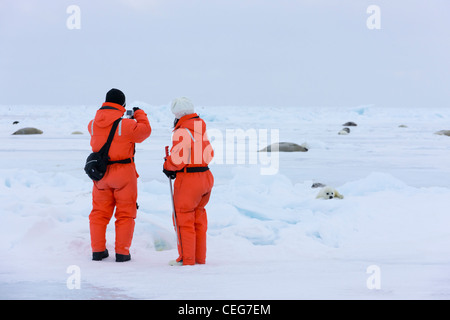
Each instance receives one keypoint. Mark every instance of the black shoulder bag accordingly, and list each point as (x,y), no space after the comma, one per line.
(97,162)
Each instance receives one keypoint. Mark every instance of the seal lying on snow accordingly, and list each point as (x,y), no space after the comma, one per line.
(318,185)
(344,131)
(443,133)
(329,193)
(28,130)
(285,147)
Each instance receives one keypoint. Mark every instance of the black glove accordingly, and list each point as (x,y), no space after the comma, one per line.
(170,174)
(135,109)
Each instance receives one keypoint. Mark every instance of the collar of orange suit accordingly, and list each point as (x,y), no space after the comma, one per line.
(114,106)
(185,118)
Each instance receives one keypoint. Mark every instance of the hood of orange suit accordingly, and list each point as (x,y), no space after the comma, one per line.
(108,113)
(192,122)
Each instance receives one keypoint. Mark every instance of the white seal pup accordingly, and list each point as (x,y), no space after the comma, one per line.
(329,193)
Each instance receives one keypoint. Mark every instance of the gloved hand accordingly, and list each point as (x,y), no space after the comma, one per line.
(136,108)
(170,174)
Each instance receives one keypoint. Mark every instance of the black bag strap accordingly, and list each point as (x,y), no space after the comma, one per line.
(194,169)
(124,161)
(107,145)
(108,108)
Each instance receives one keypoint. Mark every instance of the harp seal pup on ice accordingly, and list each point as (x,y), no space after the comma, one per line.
(329,193)
(344,131)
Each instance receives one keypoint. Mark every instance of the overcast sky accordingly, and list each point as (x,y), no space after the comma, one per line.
(226,52)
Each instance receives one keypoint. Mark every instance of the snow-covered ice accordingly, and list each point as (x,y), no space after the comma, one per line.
(268,237)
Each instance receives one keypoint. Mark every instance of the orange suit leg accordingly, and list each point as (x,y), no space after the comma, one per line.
(201,226)
(191,194)
(125,215)
(118,189)
(103,204)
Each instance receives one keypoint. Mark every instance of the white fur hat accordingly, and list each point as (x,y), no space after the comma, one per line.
(181,107)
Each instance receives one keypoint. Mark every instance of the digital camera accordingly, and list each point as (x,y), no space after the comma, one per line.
(129,114)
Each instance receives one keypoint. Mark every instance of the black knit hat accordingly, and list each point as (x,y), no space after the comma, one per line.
(115,96)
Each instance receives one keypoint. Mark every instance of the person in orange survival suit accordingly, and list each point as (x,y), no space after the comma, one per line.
(188,163)
(118,188)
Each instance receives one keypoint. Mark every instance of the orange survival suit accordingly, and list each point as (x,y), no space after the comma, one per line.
(118,188)
(189,157)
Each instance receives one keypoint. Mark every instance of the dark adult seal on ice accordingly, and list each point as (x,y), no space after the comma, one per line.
(443,133)
(318,185)
(28,130)
(284,147)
